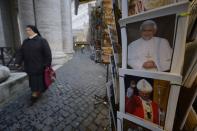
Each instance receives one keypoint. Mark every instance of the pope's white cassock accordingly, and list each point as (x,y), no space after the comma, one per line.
(156,49)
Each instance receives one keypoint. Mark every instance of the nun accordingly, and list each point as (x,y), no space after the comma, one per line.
(35,53)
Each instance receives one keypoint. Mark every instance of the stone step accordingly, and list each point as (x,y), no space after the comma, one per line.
(16,83)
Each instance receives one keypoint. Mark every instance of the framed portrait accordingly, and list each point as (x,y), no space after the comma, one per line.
(189,82)
(113,68)
(155,40)
(150,44)
(192,28)
(149,97)
(133,7)
(115,47)
(111,101)
(115,80)
(146,98)
(136,6)
(114,77)
(115,60)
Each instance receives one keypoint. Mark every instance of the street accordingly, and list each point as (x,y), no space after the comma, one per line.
(68,105)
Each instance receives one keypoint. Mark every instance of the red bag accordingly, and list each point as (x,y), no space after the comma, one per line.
(49,76)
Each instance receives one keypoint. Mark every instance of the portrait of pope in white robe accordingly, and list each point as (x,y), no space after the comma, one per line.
(149,52)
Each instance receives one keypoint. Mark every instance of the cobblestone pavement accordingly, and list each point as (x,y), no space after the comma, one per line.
(67,106)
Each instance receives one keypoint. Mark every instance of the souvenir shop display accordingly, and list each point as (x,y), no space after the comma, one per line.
(152,61)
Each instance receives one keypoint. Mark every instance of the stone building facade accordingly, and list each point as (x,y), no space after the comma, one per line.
(52,17)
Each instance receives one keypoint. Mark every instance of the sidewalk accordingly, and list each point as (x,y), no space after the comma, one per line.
(67,106)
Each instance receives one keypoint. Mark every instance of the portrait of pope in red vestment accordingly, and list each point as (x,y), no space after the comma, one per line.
(141,105)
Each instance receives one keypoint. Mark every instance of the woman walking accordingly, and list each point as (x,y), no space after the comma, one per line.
(36,55)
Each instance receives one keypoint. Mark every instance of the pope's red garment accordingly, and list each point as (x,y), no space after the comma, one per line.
(134,106)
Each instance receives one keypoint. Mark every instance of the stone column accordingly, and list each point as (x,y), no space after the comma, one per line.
(49,23)
(6,36)
(2,37)
(26,16)
(67,26)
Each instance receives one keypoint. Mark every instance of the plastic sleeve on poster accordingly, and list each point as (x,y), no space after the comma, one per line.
(123,26)
(184,14)
(177,85)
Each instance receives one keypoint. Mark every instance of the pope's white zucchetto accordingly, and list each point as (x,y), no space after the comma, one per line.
(144,86)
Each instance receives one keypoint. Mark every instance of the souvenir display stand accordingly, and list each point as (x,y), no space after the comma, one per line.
(113,90)
(115,61)
(102,16)
(112,46)
(107,20)
(96,31)
(175,16)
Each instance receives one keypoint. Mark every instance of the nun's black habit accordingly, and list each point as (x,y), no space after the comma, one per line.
(36,55)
